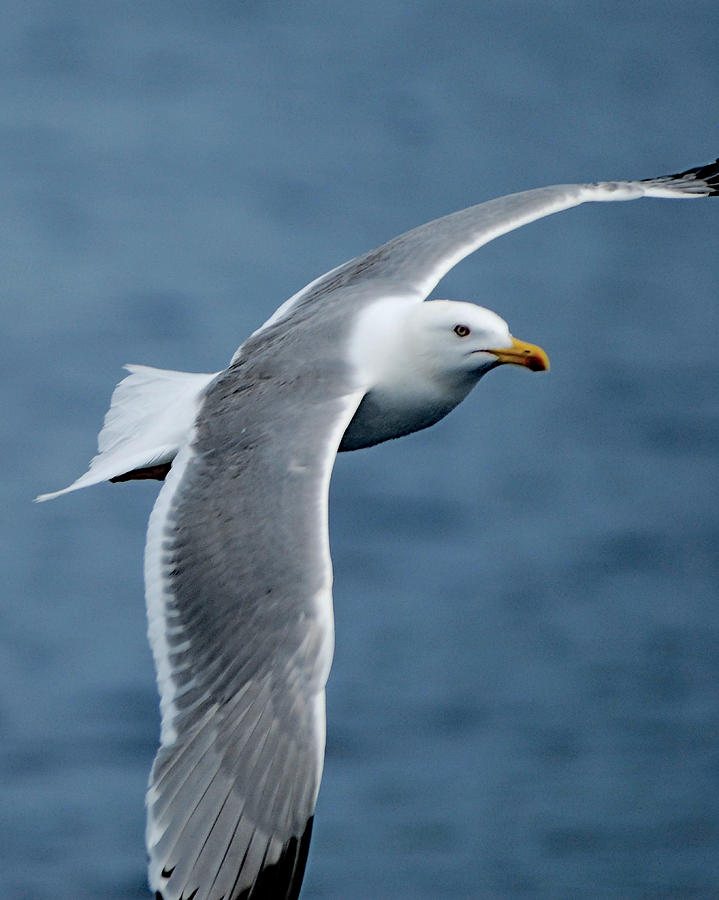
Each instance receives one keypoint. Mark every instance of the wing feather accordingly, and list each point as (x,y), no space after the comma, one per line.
(239,604)
(412,264)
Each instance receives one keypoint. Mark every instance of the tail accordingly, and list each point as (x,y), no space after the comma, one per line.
(151,414)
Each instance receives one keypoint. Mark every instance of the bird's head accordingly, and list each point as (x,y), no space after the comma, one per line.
(464,340)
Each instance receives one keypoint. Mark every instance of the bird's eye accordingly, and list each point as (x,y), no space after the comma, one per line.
(461,330)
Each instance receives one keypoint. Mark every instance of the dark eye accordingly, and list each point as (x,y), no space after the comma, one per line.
(461,330)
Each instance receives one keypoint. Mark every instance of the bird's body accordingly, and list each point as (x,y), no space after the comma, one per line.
(237,566)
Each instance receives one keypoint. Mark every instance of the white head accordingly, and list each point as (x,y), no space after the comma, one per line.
(447,341)
(462,340)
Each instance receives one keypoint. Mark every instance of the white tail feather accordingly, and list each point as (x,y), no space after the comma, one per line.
(150,417)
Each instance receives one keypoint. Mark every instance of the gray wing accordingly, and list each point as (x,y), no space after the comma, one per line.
(238,579)
(412,264)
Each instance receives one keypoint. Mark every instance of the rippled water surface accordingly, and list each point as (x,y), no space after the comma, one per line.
(524,697)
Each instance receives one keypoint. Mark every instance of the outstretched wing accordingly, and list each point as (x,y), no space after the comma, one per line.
(411,265)
(238,578)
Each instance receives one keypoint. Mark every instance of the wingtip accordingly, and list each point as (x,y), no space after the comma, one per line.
(701,180)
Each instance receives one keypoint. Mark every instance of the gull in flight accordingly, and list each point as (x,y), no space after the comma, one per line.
(237,564)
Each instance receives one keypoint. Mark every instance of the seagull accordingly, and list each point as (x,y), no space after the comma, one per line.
(238,573)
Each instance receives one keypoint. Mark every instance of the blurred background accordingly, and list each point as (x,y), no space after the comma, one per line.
(524,698)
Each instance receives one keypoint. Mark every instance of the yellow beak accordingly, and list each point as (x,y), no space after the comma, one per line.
(523,354)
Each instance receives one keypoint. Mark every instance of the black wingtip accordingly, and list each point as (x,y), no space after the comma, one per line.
(282,880)
(709,174)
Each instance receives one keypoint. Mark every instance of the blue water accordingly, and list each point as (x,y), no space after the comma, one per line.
(524,701)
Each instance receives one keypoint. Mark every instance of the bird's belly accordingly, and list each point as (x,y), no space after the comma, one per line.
(379,418)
